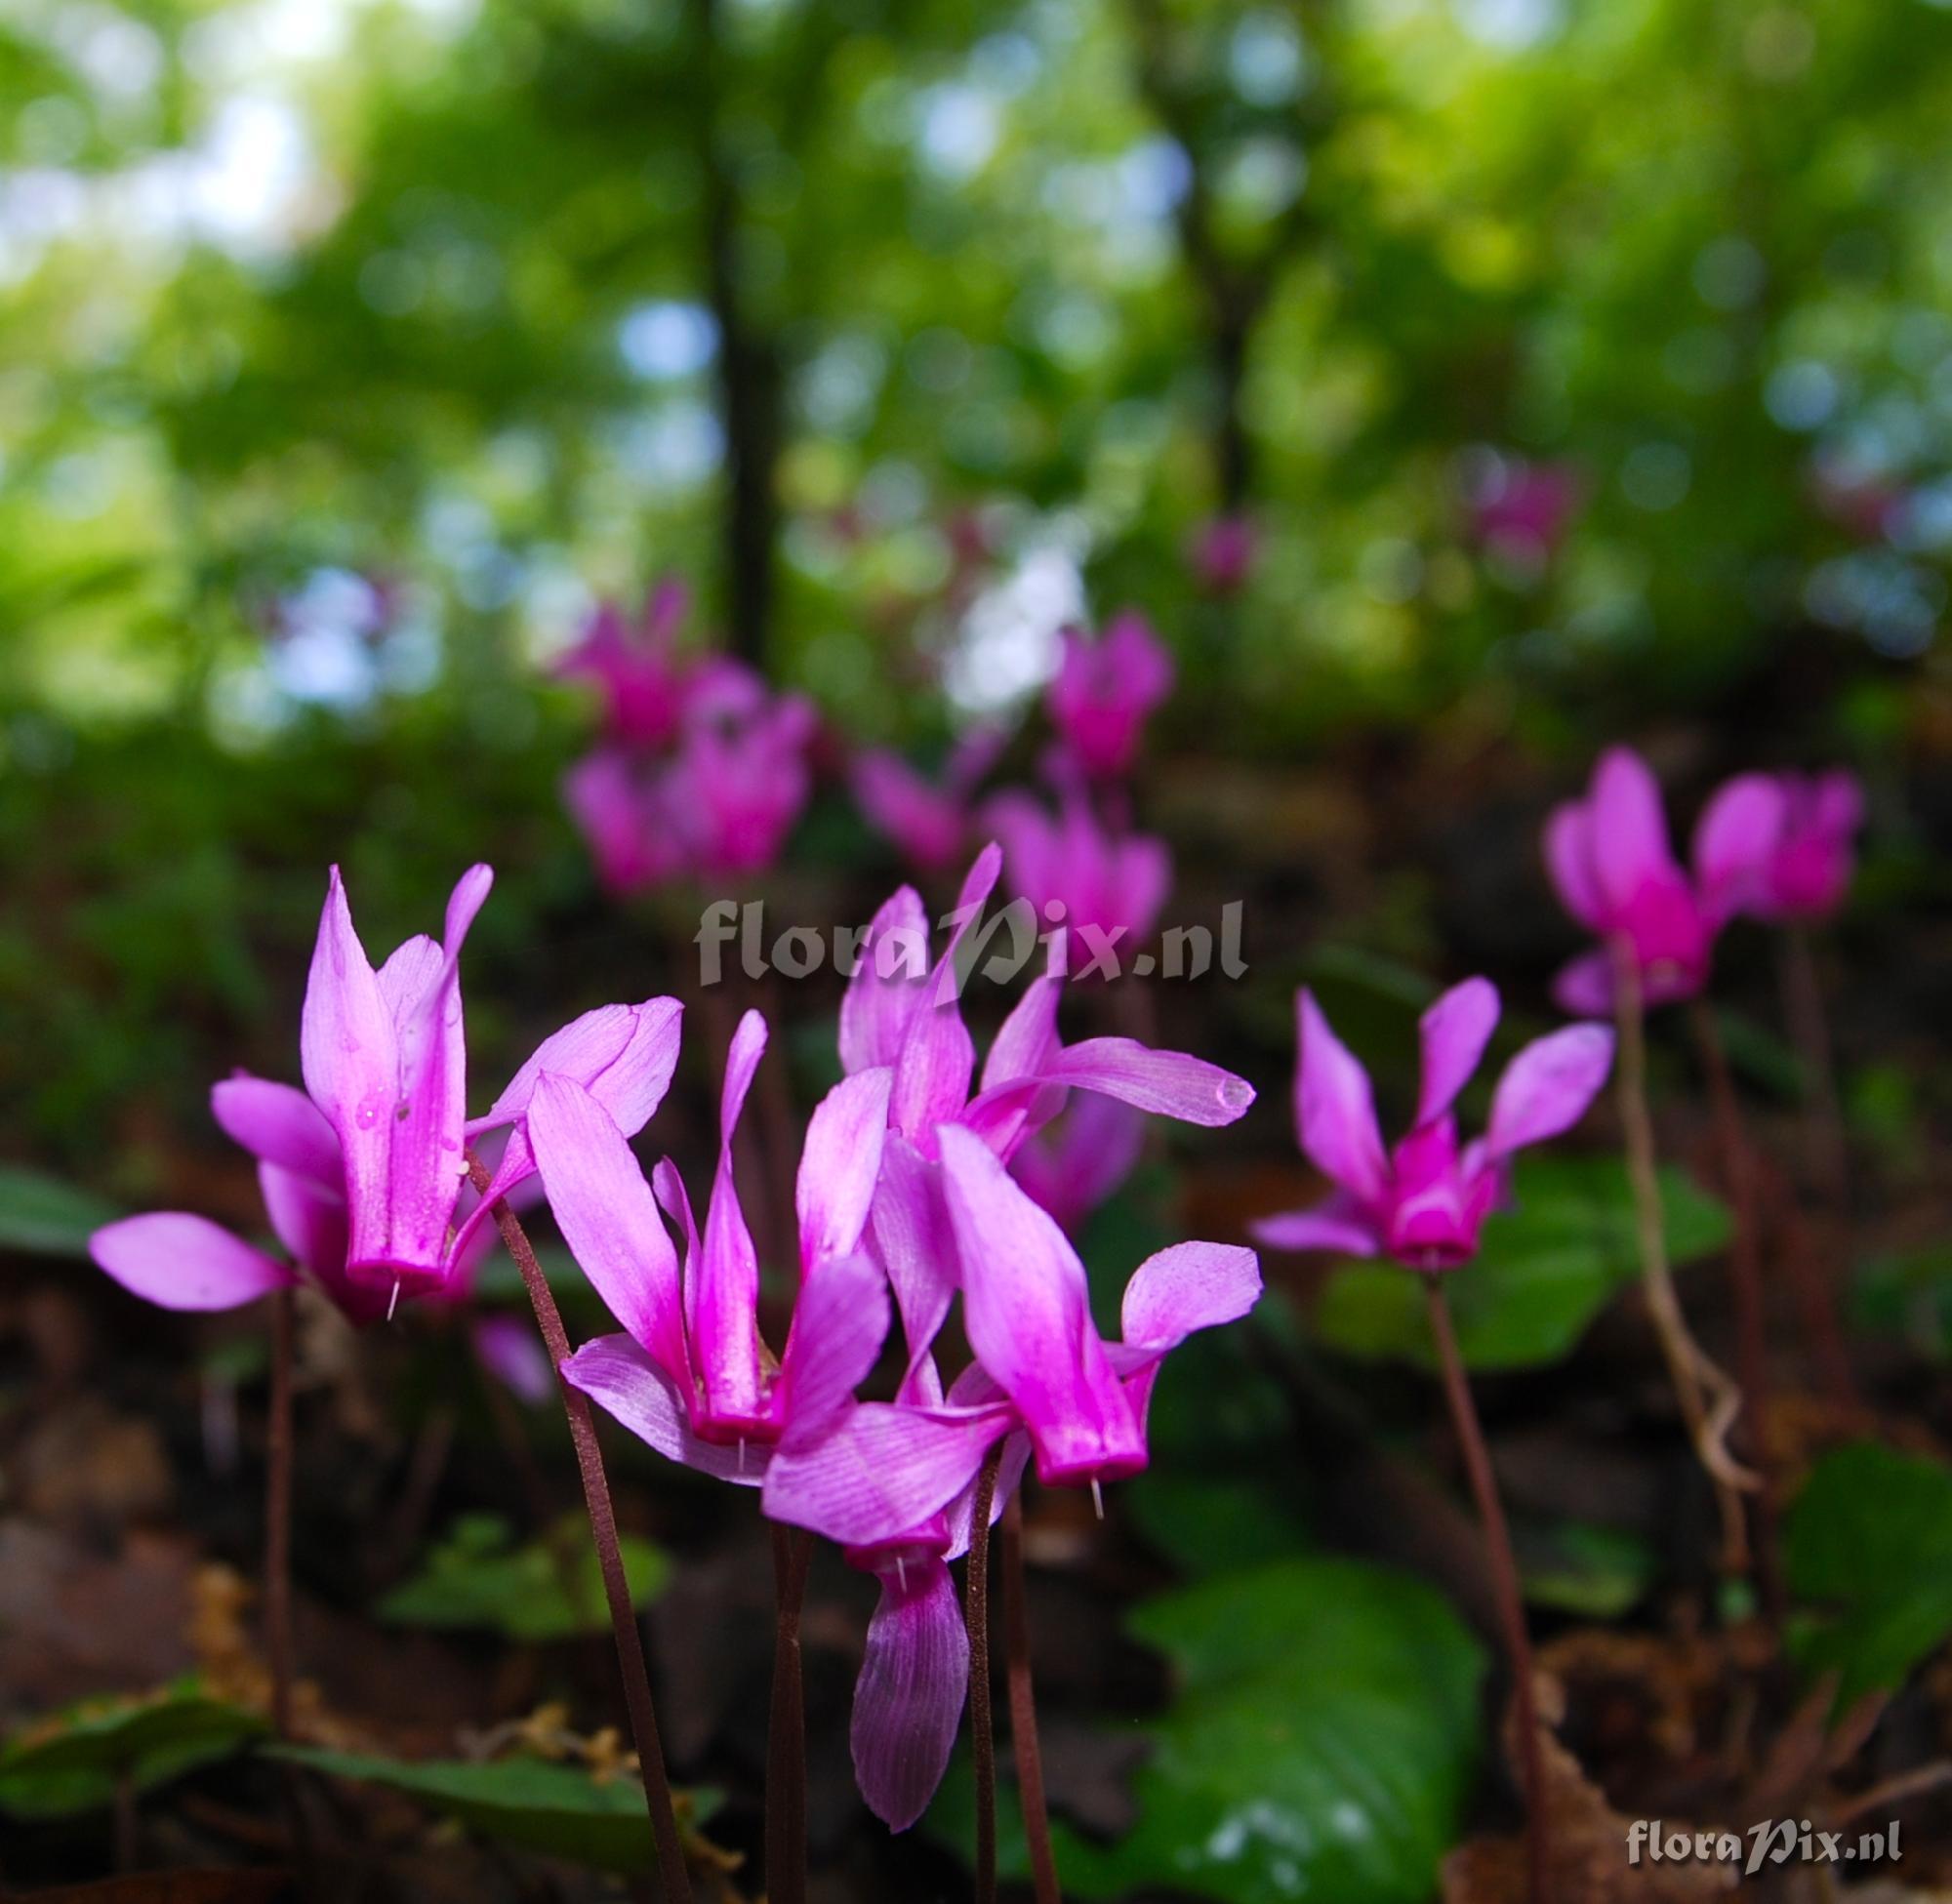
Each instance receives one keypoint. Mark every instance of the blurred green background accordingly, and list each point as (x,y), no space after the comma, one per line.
(350,348)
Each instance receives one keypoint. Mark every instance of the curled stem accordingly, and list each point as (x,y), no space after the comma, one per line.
(1505,1585)
(1708,1399)
(603,1534)
(981,1732)
(1023,1708)
(278,1515)
(786,1741)
(1746,1288)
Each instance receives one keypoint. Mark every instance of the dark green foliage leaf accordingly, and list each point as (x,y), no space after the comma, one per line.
(1869,1540)
(564,1810)
(73,1761)
(43,1216)
(1320,1744)
(1548,1266)
(1579,1568)
(474,1578)
(1908,1296)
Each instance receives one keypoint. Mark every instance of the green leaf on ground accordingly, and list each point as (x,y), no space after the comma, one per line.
(1583,1568)
(547,1589)
(1549,1265)
(42,1216)
(74,1760)
(1320,1744)
(1869,1541)
(561,1810)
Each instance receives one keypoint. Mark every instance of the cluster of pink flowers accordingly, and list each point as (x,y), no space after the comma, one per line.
(701,771)
(903,1204)
(1774,846)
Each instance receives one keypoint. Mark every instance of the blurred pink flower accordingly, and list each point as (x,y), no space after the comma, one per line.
(928,821)
(1520,510)
(742,778)
(1104,689)
(1425,1203)
(1222,552)
(1609,859)
(1783,846)
(1082,1158)
(643,681)
(1106,889)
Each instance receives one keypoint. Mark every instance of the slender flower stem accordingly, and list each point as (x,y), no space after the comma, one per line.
(786,1744)
(1709,1400)
(1745,1282)
(982,1733)
(603,1533)
(1505,1585)
(278,1515)
(1827,1161)
(1023,1708)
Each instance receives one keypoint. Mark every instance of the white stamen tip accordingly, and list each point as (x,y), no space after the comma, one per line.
(1097,1497)
(902,1572)
(742,1454)
(394,1301)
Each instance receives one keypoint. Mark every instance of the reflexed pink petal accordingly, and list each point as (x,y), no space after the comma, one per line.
(1734,839)
(960,1513)
(1027,1040)
(1026,1309)
(580,1050)
(1585,986)
(1569,862)
(1631,850)
(310,1221)
(888,985)
(1188,1287)
(916,1245)
(609,1218)
(1336,1225)
(279,1125)
(1335,1109)
(938,1057)
(838,1326)
(723,1290)
(179,1261)
(1547,1087)
(1455,1032)
(623,1381)
(882,1471)
(1165,1083)
(925,822)
(908,1701)
(840,1162)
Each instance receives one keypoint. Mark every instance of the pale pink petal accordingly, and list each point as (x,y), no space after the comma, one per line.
(1188,1287)
(1455,1032)
(310,1221)
(1164,1083)
(1335,1109)
(179,1261)
(838,1326)
(887,983)
(279,1125)
(1734,841)
(1631,850)
(1336,1225)
(1547,1087)
(628,1385)
(908,1701)
(838,1163)
(1568,863)
(722,1289)
(609,1218)
(1027,1040)
(916,1245)
(580,1050)
(882,1471)
(1026,1309)
(512,1352)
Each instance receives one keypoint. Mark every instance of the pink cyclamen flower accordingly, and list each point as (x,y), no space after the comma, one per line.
(361,1172)
(1521,509)
(1783,846)
(1425,1203)
(928,821)
(1104,689)
(894,1481)
(635,664)
(626,809)
(1102,887)
(1609,859)
(1223,553)
(741,781)
(690,1373)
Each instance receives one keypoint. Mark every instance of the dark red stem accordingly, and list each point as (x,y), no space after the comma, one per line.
(1505,1584)
(786,1744)
(604,1532)
(981,1731)
(278,1515)
(1023,1708)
